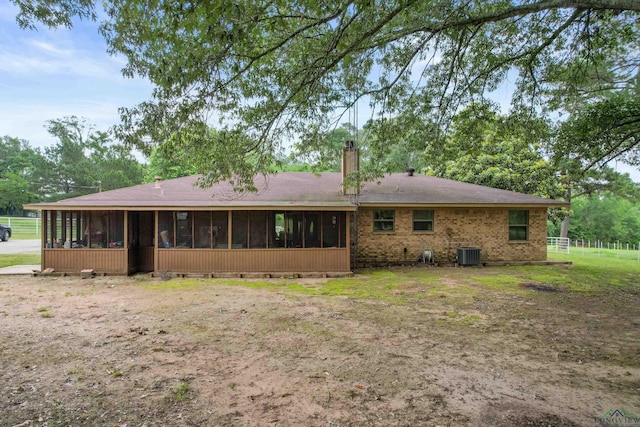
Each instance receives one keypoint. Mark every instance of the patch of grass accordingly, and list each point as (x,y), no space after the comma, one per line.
(500,282)
(114,372)
(79,375)
(400,285)
(181,392)
(44,312)
(19,259)
(176,285)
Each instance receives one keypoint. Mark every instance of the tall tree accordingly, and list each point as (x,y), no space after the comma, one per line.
(18,165)
(84,161)
(486,148)
(166,166)
(606,217)
(593,136)
(275,70)
(271,71)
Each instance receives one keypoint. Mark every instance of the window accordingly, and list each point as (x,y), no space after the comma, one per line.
(166,229)
(115,229)
(239,229)
(293,229)
(64,227)
(312,230)
(78,229)
(276,230)
(202,230)
(184,230)
(518,225)
(220,220)
(423,220)
(210,230)
(383,220)
(258,229)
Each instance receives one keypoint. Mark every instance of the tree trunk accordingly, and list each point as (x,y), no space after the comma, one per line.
(564,228)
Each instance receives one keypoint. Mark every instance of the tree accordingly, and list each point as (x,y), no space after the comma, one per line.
(166,166)
(84,161)
(18,166)
(272,71)
(53,13)
(324,150)
(114,165)
(593,136)
(605,217)
(486,148)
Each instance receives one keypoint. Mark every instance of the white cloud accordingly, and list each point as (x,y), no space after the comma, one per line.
(49,74)
(37,57)
(49,47)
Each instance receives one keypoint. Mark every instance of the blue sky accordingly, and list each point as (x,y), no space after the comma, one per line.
(49,74)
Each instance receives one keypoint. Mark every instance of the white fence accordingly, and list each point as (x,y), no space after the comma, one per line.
(561,244)
(581,246)
(22,225)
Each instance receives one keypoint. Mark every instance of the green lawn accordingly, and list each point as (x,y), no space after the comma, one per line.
(19,259)
(606,258)
(590,272)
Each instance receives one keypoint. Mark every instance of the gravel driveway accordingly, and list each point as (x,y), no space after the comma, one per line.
(20,247)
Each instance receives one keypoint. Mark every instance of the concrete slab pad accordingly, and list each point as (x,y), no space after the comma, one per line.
(19,269)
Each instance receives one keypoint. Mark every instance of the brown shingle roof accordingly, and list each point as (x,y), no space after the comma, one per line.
(401,188)
(299,190)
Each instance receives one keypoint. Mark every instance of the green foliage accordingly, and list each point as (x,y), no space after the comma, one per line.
(83,161)
(165,165)
(181,392)
(323,150)
(231,155)
(606,217)
(597,133)
(274,72)
(289,164)
(486,148)
(53,13)
(284,71)
(18,168)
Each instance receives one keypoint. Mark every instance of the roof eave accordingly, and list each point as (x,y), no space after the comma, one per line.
(465,205)
(324,207)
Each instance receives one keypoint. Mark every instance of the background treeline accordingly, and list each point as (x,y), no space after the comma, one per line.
(481,146)
(605,217)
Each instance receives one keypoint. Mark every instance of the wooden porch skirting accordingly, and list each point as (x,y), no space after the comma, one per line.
(200,261)
(253,260)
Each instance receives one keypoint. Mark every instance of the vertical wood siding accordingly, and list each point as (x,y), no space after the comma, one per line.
(253,260)
(113,261)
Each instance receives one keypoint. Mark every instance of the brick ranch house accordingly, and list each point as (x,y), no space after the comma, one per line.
(296,223)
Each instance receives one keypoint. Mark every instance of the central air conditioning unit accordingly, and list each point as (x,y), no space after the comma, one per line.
(468,256)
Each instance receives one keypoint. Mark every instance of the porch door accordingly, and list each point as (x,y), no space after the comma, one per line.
(141,234)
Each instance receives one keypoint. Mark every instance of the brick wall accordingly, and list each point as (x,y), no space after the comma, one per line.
(485,228)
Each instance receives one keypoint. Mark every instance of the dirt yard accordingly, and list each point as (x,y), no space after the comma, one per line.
(199,352)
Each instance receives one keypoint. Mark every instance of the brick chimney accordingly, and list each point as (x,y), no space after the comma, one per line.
(350,164)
